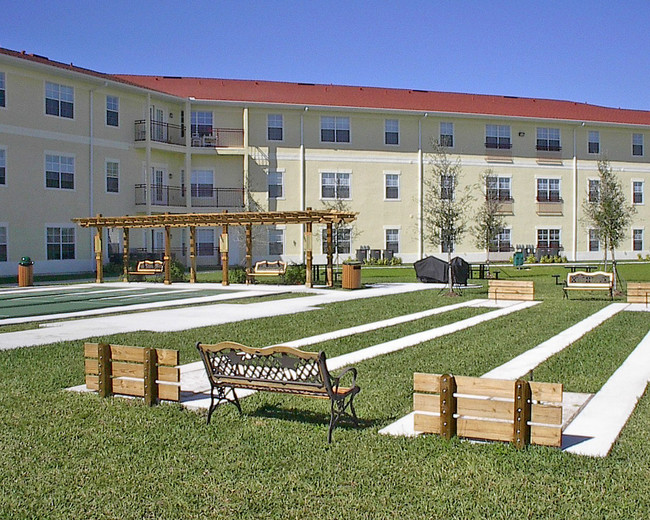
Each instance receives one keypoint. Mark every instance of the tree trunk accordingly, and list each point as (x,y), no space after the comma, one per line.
(613,271)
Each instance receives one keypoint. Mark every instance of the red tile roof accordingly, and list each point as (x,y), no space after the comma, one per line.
(309,94)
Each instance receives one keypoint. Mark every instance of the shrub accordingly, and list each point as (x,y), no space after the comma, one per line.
(177,271)
(530,259)
(295,274)
(236,274)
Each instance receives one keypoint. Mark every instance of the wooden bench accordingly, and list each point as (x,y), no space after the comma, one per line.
(151,373)
(521,412)
(511,290)
(269,268)
(583,281)
(638,292)
(276,369)
(148,267)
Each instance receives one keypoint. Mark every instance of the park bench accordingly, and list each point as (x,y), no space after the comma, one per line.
(583,281)
(269,268)
(521,412)
(511,290)
(148,267)
(638,292)
(151,373)
(276,369)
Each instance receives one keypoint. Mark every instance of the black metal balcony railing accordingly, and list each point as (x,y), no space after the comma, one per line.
(163,195)
(160,132)
(499,145)
(219,138)
(548,147)
(549,198)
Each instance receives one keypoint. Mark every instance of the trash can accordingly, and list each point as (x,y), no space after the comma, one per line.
(25,272)
(375,254)
(351,275)
(518,259)
(362,254)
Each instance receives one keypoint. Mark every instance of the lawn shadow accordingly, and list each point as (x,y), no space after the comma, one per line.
(307,416)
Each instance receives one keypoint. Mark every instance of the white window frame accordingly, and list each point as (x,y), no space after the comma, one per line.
(593,195)
(637,140)
(201,118)
(336,124)
(337,174)
(591,240)
(109,174)
(498,243)
(60,155)
(636,182)
(275,174)
(112,107)
(501,185)
(198,178)
(272,121)
(279,232)
(3,89)
(391,128)
(61,94)
(548,190)
(593,137)
(201,234)
(396,176)
(394,230)
(4,240)
(3,165)
(634,240)
(336,241)
(548,234)
(70,231)
(547,139)
(501,134)
(444,134)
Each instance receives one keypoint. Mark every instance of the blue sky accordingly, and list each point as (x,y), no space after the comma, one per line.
(596,52)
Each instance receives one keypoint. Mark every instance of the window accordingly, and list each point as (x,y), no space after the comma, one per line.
(446,243)
(548,238)
(341,241)
(275,127)
(3,244)
(59,100)
(548,190)
(637,190)
(501,243)
(276,241)
(3,166)
(594,240)
(497,136)
(498,188)
(594,190)
(205,242)
(637,239)
(391,132)
(447,134)
(112,111)
(335,129)
(447,187)
(60,243)
(202,184)
(548,139)
(391,182)
(335,185)
(594,141)
(201,124)
(392,240)
(275,182)
(637,144)
(59,172)
(112,176)
(3,90)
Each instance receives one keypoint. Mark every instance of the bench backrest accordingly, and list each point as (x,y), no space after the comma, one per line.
(490,409)
(270,266)
(511,290)
(153,265)
(229,361)
(597,279)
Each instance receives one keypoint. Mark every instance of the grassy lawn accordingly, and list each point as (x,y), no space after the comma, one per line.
(78,456)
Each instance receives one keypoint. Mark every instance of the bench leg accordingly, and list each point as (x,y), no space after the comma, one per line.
(219,395)
(339,409)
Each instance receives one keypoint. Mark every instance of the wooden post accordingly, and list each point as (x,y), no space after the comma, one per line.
(99,266)
(104,369)
(521,428)
(150,377)
(223,247)
(168,256)
(249,253)
(329,272)
(125,254)
(447,406)
(192,254)
(309,255)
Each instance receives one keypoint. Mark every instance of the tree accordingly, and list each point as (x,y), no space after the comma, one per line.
(606,210)
(445,205)
(488,222)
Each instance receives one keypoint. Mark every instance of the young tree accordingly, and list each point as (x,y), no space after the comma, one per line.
(488,222)
(606,209)
(445,205)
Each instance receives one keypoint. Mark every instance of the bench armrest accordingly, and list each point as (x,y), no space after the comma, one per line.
(336,380)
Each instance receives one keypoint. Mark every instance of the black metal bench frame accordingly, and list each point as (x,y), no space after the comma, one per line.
(280,369)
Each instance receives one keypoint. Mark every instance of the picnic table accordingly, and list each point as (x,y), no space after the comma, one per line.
(576,267)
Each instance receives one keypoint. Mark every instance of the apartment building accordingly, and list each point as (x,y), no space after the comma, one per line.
(77,143)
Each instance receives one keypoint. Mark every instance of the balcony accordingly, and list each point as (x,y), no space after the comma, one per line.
(175,134)
(160,132)
(218,138)
(201,197)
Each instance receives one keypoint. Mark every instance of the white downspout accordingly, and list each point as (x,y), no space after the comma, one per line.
(420,192)
(574,223)
(302,179)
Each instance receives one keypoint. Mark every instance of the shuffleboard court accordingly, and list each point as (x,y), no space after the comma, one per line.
(34,302)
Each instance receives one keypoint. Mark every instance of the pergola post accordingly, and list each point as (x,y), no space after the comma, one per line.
(249,253)
(223,247)
(99,266)
(168,256)
(192,254)
(125,254)
(309,254)
(330,256)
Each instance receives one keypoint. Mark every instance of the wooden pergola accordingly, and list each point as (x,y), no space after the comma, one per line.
(224,220)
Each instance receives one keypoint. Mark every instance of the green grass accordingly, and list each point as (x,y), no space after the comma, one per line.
(78,456)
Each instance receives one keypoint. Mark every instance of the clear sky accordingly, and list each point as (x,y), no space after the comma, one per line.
(588,51)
